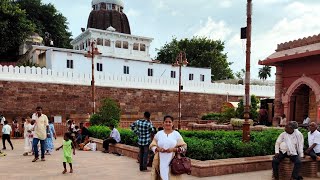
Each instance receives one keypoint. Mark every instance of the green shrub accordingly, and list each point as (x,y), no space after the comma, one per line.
(253,108)
(212,116)
(109,114)
(228,113)
(210,145)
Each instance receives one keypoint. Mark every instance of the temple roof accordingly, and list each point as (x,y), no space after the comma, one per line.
(294,49)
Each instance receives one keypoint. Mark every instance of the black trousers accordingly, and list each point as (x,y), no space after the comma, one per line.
(143,157)
(313,155)
(106,143)
(4,138)
(295,159)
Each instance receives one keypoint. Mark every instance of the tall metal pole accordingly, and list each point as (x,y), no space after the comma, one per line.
(246,125)
(180,60)
(92,81)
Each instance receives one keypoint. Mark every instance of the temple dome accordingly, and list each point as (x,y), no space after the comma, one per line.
(106,13)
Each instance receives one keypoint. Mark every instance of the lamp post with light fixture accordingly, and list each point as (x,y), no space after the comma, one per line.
(181,60)
(93,51)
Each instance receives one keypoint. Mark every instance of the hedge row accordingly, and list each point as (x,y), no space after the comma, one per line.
(210,145)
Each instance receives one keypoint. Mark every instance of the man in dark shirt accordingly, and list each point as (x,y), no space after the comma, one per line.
(85,133)
(143,128)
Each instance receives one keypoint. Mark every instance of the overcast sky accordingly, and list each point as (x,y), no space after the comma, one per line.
(274,21)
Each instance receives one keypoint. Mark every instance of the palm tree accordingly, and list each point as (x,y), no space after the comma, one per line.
(264,72)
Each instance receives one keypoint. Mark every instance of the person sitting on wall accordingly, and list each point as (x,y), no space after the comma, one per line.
(113,139)
(283,120)
(85,133)
(288,145)
(306,121)
(314,142)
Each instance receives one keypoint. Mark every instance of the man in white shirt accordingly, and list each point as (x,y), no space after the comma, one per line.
(314,142)
(2,119)
(113,139)
(6,132)
(306,120)
(288,145)
(41,132)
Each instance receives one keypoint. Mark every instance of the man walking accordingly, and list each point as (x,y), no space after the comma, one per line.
(41,131)
(6,131)
(143,128)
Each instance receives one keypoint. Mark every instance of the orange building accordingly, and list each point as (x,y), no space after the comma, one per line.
(297,78)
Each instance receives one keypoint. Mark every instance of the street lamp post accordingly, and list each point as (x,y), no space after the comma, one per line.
(93,51)
(246,125)
(181,60)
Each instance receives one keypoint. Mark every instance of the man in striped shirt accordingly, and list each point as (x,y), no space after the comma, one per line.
(143,128)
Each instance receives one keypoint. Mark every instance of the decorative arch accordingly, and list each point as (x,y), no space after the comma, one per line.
(303,80)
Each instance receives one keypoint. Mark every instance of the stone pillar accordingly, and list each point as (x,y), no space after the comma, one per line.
(278,92)
(318,113)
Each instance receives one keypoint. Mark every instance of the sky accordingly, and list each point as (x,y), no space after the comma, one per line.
(274,22)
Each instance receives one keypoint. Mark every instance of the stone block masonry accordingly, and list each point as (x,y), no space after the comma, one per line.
(21,99)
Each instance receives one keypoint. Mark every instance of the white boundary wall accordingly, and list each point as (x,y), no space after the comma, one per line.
(43,75)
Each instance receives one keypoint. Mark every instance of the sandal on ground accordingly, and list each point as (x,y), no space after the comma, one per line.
(71,170)
(64,171)
(35,159)
(25,154)
(43,159)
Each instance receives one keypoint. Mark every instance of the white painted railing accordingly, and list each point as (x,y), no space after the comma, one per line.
(43,75)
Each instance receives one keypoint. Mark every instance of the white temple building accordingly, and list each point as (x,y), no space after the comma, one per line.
(121,52)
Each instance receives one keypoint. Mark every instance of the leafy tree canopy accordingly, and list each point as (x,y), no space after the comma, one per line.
(200,52)
(20,18)
(47,19)
(14,26)
(264,72)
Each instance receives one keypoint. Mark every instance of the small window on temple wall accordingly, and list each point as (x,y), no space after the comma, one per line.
(121,9)
(109,6)
(136,46)
(125,45)
(100,41)
(113,6)
(142,47)
(107,42)
(103,6)
(118,44)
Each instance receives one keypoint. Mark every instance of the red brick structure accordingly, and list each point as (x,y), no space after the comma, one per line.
(297,78)
(21,99)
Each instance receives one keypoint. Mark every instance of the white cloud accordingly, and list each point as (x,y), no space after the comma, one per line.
(225,4)
(272,1)
(213,30)
(133,13)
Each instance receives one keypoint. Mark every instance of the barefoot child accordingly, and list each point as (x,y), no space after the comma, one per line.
(67,156)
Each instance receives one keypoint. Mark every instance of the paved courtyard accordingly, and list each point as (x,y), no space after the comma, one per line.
(88,165)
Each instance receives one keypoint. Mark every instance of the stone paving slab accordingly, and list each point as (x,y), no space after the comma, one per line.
(89,165)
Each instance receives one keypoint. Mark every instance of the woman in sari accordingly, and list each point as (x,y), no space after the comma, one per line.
(49,140)
(165,145)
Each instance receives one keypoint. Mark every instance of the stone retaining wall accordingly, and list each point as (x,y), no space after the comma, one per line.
(204,168)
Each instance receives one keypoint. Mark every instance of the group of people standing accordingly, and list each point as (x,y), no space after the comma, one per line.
(290,145)
(165,144)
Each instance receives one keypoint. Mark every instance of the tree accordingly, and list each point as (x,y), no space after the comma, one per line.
(264,72)
(240,74)
(253,108)
(109,114)
(47,21)
(200,52)
(14,27)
